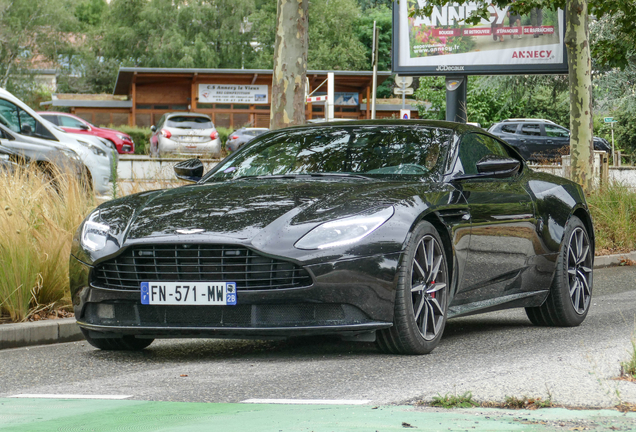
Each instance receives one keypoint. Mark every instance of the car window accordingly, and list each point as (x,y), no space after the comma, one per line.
(556,131)
(15,118)
(189,122)
(531,129)
(50,117)
(254,133)
(365,150)
(509,128)
(70,122)
(473,147)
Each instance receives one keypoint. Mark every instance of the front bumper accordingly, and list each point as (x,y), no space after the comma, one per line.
(347,297)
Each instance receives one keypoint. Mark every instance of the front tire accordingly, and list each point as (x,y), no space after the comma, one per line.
(570,295)
(125,343)
(421,299)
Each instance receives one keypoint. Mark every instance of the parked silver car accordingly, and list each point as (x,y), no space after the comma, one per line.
(242,136)
(32,150)
(185,133)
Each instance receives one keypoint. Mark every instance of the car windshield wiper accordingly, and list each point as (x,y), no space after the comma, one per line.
(305,175)
(340,175)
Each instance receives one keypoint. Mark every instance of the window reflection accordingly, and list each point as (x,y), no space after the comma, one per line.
(388,150)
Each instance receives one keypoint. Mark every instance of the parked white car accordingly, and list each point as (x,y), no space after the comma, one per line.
(24,121)
(185,133)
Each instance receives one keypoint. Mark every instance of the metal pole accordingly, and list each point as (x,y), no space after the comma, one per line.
(375,70)
(456,99)
(613,151)
(330,96)
(403,85)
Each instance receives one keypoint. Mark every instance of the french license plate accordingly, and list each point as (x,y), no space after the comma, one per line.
(188,293)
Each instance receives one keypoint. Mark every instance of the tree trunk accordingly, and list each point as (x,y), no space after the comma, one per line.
(290,64)
(580,68)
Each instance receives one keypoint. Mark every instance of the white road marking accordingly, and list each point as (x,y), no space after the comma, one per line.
(69,396)
(308,401)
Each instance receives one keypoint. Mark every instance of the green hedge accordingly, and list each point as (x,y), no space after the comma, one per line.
(140,136)
(223,134)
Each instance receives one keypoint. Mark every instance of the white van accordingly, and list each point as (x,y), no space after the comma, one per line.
(24,121)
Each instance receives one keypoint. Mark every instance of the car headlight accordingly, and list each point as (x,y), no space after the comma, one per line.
(94,149)
(124,137)
(94,234)
(71,154)
(344,231)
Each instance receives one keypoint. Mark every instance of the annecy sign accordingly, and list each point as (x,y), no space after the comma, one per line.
(505,43)
(233,93)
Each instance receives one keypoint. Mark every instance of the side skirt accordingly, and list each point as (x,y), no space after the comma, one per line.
(532,299)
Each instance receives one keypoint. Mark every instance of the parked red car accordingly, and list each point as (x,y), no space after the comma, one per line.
(71,123)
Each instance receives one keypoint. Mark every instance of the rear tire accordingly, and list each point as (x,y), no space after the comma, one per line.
(421,299)
(125,343)
(570,295)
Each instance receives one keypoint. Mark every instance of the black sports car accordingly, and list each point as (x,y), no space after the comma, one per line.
(373,230)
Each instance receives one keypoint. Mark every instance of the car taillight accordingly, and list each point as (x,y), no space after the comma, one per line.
(214,135)
(234,137)
(166,133)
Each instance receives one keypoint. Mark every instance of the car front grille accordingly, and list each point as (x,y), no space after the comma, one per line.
(198,262)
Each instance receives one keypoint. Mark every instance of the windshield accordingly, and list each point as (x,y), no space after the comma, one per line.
(357,150)
(189,122)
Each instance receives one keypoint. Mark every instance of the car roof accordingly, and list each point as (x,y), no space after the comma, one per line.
(459,128)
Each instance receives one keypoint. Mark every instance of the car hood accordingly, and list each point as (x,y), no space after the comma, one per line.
(244,209)
(241,209)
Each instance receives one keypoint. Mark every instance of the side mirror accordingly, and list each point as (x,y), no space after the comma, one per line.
(153,128)
(189,170)
(26,130)
(84,127)
(498,166)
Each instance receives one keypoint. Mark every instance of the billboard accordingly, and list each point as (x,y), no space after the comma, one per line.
(233,93)
(504,44)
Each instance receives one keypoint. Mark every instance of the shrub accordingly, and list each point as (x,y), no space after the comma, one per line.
(38,217)
(139,135)
(613,210)
(223,134)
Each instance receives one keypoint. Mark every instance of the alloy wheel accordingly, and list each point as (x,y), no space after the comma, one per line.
(579,270)
(429,278)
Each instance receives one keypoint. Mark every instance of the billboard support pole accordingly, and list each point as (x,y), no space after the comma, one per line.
(456,110)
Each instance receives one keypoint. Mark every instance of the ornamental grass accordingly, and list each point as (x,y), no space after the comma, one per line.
(613,209)
(39,213)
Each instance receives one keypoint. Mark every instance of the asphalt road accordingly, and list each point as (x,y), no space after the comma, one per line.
(493,355)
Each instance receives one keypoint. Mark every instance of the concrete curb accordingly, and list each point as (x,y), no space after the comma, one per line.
(39,333)
(613,260)
(66,330)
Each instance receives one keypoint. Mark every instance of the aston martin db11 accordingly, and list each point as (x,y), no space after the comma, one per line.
(371,230)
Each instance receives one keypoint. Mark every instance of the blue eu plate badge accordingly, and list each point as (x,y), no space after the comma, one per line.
(145,294)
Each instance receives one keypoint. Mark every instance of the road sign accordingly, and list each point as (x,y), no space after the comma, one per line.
(406,91)
(610,120)
(405,114)
(405,81)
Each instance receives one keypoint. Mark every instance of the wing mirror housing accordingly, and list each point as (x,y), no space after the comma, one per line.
(153,128)
(498,166)
(190,170)
(84,127)
(493,166)
(26,130)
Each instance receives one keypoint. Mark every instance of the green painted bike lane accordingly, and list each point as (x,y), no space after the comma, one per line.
(46,415)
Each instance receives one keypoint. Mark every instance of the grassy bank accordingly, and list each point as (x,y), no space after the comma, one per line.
(38,217)
(613,210)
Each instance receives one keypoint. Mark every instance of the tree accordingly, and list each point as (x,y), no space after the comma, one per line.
(579,63)
(290,64)
(31,34)
(179,33)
